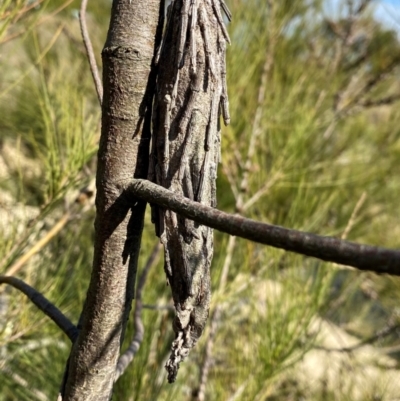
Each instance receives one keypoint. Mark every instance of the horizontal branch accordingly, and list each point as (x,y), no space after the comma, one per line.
(330,249)
(44,305)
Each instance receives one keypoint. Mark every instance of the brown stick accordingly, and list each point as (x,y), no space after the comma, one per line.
(330,249)
(21,12)
(39,22)
(39,245)
(89,51)
(44,305)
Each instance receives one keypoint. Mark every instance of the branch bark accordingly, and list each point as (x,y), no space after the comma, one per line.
(129,83)
(330,249)
(89,51)
(42,303)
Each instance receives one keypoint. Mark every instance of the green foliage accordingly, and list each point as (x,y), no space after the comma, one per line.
(324,142)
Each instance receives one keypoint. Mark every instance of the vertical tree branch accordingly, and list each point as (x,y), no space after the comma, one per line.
(129,84)
(89,51)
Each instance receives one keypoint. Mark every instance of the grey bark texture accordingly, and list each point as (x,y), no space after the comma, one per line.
(191,93)
(128,81)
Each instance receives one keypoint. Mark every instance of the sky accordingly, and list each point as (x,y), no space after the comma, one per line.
(388,12)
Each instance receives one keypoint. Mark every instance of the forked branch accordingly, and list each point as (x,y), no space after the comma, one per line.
(330,249)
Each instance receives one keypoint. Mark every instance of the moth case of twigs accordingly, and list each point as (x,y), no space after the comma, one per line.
(186,139)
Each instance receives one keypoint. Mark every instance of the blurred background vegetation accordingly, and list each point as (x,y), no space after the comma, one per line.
(314,145)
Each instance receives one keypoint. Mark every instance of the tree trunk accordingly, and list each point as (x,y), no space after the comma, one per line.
(129,83)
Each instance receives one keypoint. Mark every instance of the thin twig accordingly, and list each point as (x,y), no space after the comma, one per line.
(240,206)
(19,380)
(38,246)
(39,22)
(256,127)
(346,32)
(228,259)
(262,191)
(44,305)
(21,12)
(353,216)
(330,249)
(35,63)
(127,357)
(199,395)
(381,102)
(376,337)
(228,173)
(89,51)
(358,103)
